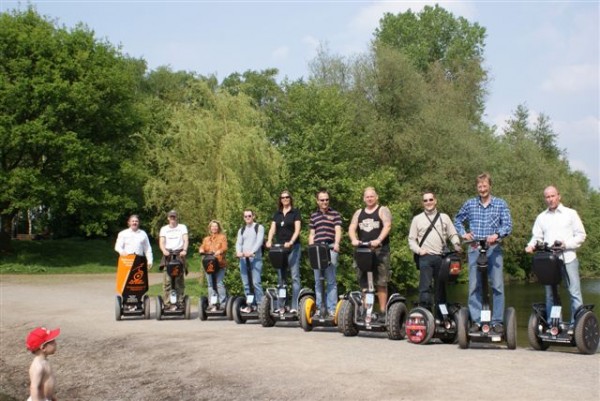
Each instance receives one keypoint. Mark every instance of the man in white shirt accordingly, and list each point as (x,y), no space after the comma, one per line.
(173,238)
(559,223)
(134,241)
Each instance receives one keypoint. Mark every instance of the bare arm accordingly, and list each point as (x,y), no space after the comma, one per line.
(352,229)
(311,236)
(161,244)
(270,235)
(386,218)
(338,238)
(297,226)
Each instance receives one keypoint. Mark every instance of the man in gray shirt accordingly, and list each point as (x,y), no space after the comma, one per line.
(248,247)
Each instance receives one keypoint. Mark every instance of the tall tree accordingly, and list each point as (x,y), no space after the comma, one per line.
(68,112)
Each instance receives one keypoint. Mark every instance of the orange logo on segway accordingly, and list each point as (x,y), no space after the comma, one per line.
(210,268)
(137,276)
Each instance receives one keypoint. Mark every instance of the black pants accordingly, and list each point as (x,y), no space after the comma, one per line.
(429,283)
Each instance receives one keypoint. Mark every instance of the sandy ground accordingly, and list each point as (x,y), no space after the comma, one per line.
(101,359)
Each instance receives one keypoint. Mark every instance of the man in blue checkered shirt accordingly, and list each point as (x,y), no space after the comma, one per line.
(488,219)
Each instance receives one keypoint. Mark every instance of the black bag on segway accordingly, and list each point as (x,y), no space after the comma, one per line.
(547,267)
(174,267)
(450,267)
(319,256)
(278,255)
(365,259)
(210,263)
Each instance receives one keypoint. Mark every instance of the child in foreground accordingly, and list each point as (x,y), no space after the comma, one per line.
(42,343)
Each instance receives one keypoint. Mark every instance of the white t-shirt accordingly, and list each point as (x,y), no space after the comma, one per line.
(130,241)
(173,236)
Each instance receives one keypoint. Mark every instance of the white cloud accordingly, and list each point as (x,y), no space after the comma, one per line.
(572,79)
(280,53)
(581,139)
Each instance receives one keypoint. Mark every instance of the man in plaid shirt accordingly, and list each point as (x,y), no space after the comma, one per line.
(488,219)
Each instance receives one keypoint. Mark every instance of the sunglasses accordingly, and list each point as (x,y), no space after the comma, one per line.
(427,200)
(324,200)
(247,215)
(284,197)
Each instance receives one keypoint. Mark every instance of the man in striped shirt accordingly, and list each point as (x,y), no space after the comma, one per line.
(489,219)
(326,227)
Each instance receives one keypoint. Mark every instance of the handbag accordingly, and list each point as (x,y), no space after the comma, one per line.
(416,256)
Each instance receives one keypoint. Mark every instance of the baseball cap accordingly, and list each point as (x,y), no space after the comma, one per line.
(172,213)
(40,336)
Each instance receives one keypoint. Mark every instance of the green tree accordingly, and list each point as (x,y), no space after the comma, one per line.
(68,110)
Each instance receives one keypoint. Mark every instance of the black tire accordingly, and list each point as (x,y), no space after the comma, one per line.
(346,324)
(463,328)
(306,310)
(510,324)
(229,306)
(421,317)
(118,308)
(451,338)
(533,332)
(188,308)
(264,312)
(146,307)
(587,333)
(202,306)
(159,307)
(238,304)
(396,317)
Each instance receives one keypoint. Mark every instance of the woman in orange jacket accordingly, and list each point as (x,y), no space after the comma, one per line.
(216,242)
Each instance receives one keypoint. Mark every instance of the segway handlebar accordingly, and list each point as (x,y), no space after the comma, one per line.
(557,247)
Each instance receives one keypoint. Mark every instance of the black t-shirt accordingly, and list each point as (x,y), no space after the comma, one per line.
(284,225)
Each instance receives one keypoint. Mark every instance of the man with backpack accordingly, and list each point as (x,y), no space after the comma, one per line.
(248,247)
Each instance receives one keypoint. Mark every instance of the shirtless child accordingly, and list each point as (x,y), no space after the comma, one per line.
(41,342)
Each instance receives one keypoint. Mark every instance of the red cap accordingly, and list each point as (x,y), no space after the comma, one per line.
(40,336)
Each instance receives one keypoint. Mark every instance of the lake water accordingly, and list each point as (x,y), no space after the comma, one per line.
(522,295)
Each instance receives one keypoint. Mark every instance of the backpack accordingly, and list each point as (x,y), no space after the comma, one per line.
(262,246)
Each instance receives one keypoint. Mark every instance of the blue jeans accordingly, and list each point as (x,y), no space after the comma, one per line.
(570,276)
(220,286)
(330,278)
(496,281)
(294,268)
(256,266)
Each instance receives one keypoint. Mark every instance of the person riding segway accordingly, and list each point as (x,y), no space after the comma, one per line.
(546,329)
(485,330)
(135,259)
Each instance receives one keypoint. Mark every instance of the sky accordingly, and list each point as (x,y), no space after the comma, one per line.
(542,54)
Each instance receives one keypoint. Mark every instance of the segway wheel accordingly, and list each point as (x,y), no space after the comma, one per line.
(346,324)
(587,334)
(306,310)
(396,329)
(238,304)
(188,307)
(159,307)
(146,307)
(510,321)
(202,306)
(463,328)
(451,337)
(533,332)
(264,312)
(229,307)
(420,326)
(118,308)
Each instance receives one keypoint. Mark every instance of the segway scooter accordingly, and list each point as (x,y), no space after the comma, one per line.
(131,287)
(485,333)
(211,307)
(542,331)
(273,307)
(175,269)
(421,325)
(320,258)
(240,316)
(356,309)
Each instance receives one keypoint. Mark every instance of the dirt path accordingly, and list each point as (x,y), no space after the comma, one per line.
(101,359)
